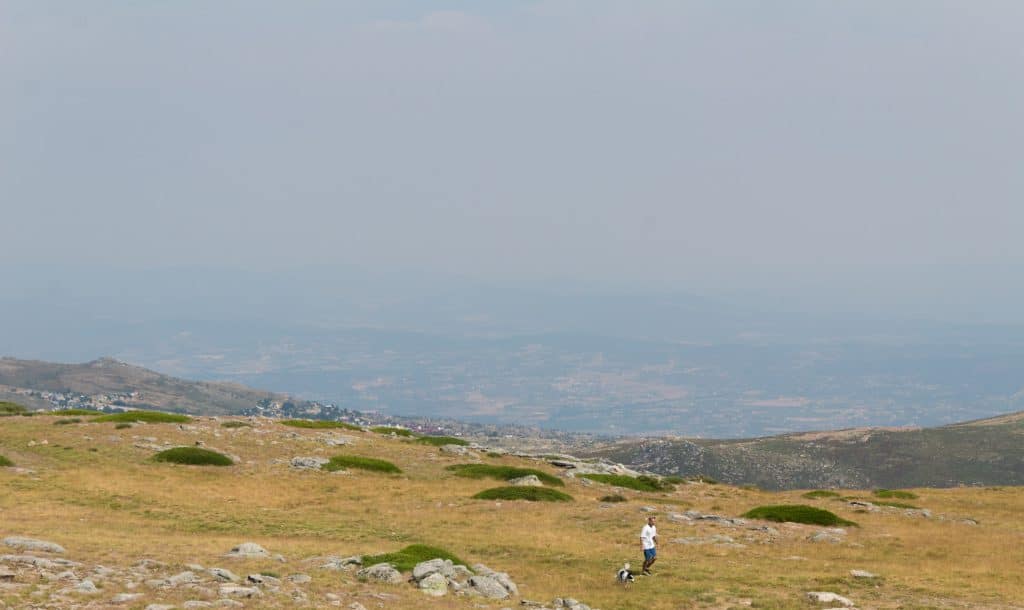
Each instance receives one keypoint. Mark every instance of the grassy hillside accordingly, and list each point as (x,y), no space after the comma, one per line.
(984,452)
(83,485)
(106,376)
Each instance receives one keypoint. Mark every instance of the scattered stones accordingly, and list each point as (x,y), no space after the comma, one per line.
(381,572)
(825,597)
(308,463)
(39,562)
(86,586)
(342,563)
(248,550)
(31,544)
(126,598)
(239,591)
(338,440)
(223,574)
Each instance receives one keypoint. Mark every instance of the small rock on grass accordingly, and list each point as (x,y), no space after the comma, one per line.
(862,574)
(31,544)
(248,550)
(825,597)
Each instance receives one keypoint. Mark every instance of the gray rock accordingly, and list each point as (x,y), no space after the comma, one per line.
(196,604)
(337,440)
(342,563)
(825,536)
(182,578)
(381,572)
(432,566)
(223,574)
(239,591)
(39,562)
(308,463)
(862,574)
(356,606)
(31,544)
(488,587)
(505,581)
(435,585)
(454,449)
(125,598)
(86,586)
(160,607)
(825,597)
(6,575)
(248,550)
(529,480)
(300,579)
(229,603)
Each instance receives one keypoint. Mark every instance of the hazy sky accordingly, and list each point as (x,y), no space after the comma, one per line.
(658,141)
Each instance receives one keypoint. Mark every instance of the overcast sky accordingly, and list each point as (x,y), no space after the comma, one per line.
(660,142)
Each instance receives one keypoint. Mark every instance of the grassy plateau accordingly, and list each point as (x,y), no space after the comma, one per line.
(96,491)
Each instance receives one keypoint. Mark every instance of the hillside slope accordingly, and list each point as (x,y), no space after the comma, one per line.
(984,452)
(84,484)
(106,376)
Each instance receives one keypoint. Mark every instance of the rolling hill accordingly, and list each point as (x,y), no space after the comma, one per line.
(982,452)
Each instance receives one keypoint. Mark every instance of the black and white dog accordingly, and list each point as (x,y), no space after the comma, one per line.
(624,576)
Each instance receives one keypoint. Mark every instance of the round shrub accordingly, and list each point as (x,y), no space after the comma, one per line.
(235,424)
(406,559)
(502,473)
(64,422)
(392,430)
(149,417)
(796,513)
(193,456)
(11,408)
(341,462)
(318,424)
(612,498)
(530,494)
(820,493)
(640,483)
(438,441)
(4,462)
(895,493)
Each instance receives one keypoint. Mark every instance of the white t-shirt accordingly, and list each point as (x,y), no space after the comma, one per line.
(647,535)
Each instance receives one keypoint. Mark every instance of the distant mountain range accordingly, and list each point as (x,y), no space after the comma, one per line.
(983,452)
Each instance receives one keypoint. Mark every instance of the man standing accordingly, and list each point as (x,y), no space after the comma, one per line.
(649,541)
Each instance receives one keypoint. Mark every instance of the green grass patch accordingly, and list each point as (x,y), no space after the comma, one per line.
(235,424)
(821,493)
(193,456)
(318,424)
(406,559)
(502,473)
(796,513)
(64,422)
(341,462)
(612,498)
(530,494)
(640,483)
(899,494)
(391,430)
(150,417)
(11,408)
(122,425)
(63,412)
(896,504)
(438,441)
(4,462)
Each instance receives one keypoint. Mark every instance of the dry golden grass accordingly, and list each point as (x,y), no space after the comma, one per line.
(114,506)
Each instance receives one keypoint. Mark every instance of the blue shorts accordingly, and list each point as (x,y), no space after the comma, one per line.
(650,554)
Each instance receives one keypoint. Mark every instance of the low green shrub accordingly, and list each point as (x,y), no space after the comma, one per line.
(11,408)
(318,424)
(502,473)
(438,441)
(673,480)
(796,513)
(64,422)
(341,462)
(821,493)
(407,558)
(530,494)
(392,430)
(895,493)
(896,504)
(612,498)
(75,412)
(150,417)
(495,454)
(122,426)
(193,456)
(235,424)
(4,462)
(640,483)
(700,478)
